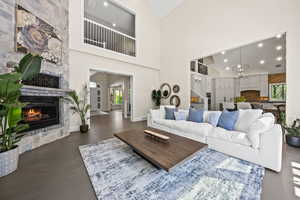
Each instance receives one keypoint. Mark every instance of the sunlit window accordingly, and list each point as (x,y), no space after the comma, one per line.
(117,95)
(277,92)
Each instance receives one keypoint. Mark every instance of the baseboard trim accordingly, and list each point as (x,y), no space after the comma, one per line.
(73,129)
(138,119)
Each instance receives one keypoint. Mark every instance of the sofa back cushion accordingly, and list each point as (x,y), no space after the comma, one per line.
(228,120)
(212,117)
(196,115)
(170,113)
(246,118)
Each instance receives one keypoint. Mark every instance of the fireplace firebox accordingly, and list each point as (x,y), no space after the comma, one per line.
(40,111)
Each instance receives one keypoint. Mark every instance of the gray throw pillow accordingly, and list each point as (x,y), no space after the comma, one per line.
(170,113)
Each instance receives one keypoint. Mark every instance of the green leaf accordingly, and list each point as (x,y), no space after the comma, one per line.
(14,116)
(16,140)
(10,87)
(21,127)
(87,108)
(29,66)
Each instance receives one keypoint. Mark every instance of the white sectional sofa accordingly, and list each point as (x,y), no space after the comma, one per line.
(252,141)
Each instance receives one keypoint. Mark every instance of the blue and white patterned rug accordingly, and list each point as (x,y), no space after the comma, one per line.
(117,173)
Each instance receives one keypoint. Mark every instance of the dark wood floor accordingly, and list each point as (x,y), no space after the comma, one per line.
(56,172)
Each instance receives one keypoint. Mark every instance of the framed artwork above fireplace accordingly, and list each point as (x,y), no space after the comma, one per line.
(37,36)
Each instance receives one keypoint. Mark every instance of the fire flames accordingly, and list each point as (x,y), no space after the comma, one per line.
(33,115)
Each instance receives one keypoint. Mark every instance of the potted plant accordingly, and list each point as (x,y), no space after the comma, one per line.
(239,99)
(293,135)
(11,111)
(80,106)
(156,97)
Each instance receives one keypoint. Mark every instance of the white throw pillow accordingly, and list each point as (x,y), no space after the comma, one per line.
(181,115)
(246,118)
(185,111)
(261,125)
(210,116)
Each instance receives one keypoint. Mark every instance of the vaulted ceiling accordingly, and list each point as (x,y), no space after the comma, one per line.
(266,56)
(164,7)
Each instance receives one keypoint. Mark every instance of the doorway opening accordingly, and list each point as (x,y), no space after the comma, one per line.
(110,97)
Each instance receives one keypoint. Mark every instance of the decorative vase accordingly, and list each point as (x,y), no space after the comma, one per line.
(9,161)
(84,128)
(293,141)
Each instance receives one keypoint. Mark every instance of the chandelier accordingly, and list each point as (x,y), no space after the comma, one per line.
(240,68)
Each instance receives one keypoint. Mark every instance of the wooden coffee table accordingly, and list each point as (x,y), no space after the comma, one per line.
(165,155)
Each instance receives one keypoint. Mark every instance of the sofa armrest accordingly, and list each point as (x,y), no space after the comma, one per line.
(152,115)
(155,114)
(271,147)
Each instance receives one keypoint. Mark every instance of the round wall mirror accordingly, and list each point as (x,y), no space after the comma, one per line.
(166,90)
(175,100)
(176,88)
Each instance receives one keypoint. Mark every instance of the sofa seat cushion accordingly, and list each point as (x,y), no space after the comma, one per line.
(165,122)
(201,129)
(230,136)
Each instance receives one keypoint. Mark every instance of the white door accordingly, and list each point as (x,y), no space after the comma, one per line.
(95,95)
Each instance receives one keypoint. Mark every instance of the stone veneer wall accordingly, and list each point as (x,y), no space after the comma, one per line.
(55,13)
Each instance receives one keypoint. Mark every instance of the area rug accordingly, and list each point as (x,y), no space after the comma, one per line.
(117,173)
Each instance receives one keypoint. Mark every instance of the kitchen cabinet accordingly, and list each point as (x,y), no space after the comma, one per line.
(264,85)
(254,82)
(224,90)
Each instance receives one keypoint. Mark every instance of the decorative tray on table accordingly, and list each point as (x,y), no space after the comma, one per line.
(156,136)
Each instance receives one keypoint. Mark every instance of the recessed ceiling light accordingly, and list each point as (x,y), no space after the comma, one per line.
(279,58)
(260,45)
(278,36)
(262,62)
(227,68)
(114,25)
(223,52)
(225,60)
(239,66)
(105,3)
(278,48)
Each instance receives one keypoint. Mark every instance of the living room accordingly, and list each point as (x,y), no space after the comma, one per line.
(57,152)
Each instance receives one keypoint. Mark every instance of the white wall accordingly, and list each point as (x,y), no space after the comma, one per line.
(200,28)
(147,34)
(144,80)
(144,67)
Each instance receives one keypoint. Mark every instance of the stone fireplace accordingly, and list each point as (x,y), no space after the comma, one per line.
(47,114)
